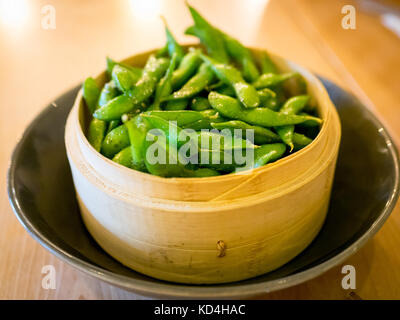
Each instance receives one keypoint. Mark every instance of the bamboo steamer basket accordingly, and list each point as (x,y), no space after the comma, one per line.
(206,230)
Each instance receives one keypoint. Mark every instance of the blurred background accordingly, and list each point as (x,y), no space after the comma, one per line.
(47,47)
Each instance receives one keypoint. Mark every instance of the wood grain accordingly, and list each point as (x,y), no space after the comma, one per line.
(365,60)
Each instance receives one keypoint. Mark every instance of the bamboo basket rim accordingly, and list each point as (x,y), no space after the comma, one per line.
(169,205)
(222,178)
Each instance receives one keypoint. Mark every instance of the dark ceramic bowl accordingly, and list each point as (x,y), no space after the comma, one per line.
(365,190)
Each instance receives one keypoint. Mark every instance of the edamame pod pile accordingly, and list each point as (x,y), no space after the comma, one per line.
(200,113)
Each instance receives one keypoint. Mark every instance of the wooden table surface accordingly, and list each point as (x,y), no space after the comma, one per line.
(37,65)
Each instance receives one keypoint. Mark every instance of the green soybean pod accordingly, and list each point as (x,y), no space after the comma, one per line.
(300,141)
(268,99)
(265,154)
(137,130)
(231,108)
(97,128)
(91,93)
(112,125)
(172,45)
(227,91)
(115,141)
(268,153)
(226,160)
(205,172)
(180,104)
(164,87)
(168,167)
(196,84)
(145,86)
(266,94)
(261,135)
(170,130)
(109,92)
(207,117)
(295,104)
(237,51)
(188,66)
(223,141)
(123,78)
(286,134)
(228,74)
(307,124)
(111,64)
(243,56)
(212,115)
(96,131)
(267,65)
(163,52)
(200,104)
(115,108)
(295,86)
(209,36)
(182,118)
(272,79)
(190,31)
(291,106)
(198,125)
(124,157)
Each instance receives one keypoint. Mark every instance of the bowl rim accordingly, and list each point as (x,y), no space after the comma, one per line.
(168,289)
(221,178)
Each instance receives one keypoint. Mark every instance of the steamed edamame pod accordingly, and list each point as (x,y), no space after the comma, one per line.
(109,92)
(123,78)
(124,157)
(300,141)
(188,66)
(209,37)
(196,84)
(137,130)
(91,93)
(112,125)
(173,46)
(272,79)
(96,128)
(291,106)
(152,73)
(268,153)
(115,108)
(132,99)
(231,108)
(111,64)
(116,140)
(179,104)
(243,56)
(96,131)
(164,87)
(261,135)
(267,65)
(200,104)
(237,51)
(228,74)
(182,118)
